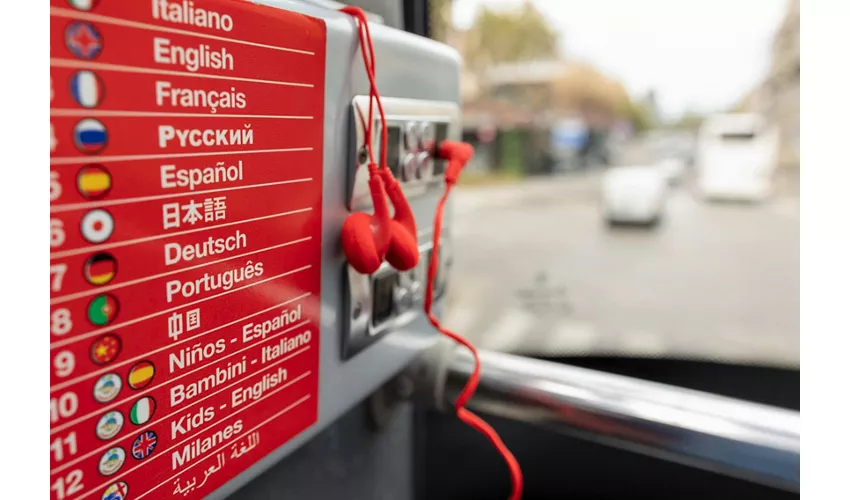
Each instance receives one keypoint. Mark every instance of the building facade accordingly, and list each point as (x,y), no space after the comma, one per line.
(782,87)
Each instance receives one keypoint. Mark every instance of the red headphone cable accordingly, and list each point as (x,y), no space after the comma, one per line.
(457,154)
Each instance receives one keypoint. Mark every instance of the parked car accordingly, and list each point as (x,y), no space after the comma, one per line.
(634,195)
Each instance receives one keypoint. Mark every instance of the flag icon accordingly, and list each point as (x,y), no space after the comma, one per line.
(107,387)
(85,5)
(144,445)
(142,410)
(87,88)
(83,40)
(97,226)
(109,425)
(94,182)
(102,309)
(90,136)
(140,375)
(111,461)
(100,268)
(115,491)
(105,349)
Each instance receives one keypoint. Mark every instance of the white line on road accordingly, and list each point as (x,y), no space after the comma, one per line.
(570,336)
(508,331)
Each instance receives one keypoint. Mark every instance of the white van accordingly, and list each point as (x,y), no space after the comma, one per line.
(736,157)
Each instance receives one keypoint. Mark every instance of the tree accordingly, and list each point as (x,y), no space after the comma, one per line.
(594,95)
(441,19)
(511,36)
(640,117)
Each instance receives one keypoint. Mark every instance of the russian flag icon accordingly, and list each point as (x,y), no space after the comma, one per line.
(90,136)
(86,88)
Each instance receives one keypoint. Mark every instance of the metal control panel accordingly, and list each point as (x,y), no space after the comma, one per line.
(414,128)
(389,300)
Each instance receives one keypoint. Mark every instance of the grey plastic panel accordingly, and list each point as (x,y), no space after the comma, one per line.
(408,67)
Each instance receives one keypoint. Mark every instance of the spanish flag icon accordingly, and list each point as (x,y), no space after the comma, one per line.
(140,375)
(94,182)
(100,268)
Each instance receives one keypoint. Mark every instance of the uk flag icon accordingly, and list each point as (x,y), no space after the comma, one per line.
(83,40)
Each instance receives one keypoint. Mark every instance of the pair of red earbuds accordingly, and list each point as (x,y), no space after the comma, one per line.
(368,240)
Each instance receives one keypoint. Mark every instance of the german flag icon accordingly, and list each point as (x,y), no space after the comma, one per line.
(100,268)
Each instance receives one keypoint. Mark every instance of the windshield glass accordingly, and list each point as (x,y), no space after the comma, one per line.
(553,253)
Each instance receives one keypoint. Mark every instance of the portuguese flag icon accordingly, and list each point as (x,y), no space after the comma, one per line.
(102,309)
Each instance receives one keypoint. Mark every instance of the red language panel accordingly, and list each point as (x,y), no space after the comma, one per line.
(186,215)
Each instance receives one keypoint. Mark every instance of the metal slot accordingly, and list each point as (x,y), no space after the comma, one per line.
(394,149)
(383,294)
(441,134)
(388,300)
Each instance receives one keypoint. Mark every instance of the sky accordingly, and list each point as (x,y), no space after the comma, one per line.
(700,55)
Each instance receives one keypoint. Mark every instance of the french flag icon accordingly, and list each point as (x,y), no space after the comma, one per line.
(87,89)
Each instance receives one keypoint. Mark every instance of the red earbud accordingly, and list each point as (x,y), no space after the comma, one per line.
(366,238)
(403,253)
(458,155)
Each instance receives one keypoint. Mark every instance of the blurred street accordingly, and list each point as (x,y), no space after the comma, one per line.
(537,271)
(552,88)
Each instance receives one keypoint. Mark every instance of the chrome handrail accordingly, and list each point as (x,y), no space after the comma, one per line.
(755,442)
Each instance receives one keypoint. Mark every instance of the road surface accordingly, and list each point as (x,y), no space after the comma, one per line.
(536,271)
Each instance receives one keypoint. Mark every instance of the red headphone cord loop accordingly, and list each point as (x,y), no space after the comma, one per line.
(458,154)
(368,52)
